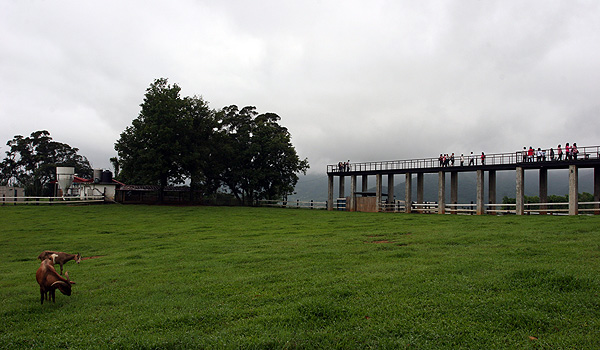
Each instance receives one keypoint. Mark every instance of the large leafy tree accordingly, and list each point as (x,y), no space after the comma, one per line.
(274,159)
(261,162)
(236,130)
(199,161)
(31,162)
(150,150)
(175,139)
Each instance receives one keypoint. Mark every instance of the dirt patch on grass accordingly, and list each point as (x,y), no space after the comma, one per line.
(91,257)
(380,242)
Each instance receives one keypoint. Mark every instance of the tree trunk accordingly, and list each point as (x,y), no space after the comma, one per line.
(161,191)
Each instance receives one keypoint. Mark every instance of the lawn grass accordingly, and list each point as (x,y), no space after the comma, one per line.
(261,278)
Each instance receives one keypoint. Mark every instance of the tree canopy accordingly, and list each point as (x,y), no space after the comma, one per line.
(150,149)
(176,139)
(260,161)
(31,162)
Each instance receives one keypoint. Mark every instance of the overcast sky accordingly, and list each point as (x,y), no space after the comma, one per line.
(358,80)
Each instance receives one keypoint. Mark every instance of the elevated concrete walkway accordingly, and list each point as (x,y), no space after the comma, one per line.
(587,157)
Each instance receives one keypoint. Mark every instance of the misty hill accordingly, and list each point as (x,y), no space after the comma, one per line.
(314,186)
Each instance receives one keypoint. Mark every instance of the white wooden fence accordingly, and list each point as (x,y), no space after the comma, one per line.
(399,206)
(5,200)
(471,208)
(294,204)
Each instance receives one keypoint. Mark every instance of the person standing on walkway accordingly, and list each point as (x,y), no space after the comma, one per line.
(567,151)
(462,159)
(574,150)
(471,159)
(530,153)
(482,158)
(560,152)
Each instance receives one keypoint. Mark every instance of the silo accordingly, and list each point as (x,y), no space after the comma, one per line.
(97,175)
(64,177)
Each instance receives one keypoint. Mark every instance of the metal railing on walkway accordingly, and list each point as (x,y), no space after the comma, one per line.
(513,158)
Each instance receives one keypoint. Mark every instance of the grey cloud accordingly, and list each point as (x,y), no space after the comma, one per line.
(351,80)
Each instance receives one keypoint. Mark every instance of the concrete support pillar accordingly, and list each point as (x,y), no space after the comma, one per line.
(492,189)
(597,189)
(378,195)
(520,196)
(420,188)
(480,204)
(390,198)
(543,190)
(454,190)
(408,192)
(330,192)
(573,190)
(365,183)
(441,192)
(352,193)
(342,192)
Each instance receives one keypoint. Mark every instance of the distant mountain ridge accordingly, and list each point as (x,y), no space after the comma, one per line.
(314,186)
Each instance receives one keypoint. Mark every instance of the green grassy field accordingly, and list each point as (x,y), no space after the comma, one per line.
(262,278)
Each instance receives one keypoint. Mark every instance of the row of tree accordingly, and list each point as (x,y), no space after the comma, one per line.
(31,162)
(177,139)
